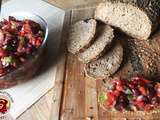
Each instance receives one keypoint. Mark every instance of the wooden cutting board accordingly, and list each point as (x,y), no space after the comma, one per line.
(79,93)
(79,98)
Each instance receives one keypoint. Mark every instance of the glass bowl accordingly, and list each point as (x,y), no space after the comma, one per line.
(27,70)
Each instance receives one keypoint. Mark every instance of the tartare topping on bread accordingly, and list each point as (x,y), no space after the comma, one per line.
(136,94)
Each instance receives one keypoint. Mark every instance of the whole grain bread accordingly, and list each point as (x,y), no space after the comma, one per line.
(136,18)
(81,35)
(106,65)
(145,60)
(102,42)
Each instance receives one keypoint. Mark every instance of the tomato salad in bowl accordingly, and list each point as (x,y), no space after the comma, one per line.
(22,41)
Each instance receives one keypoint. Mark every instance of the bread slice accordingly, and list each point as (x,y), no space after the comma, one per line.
(107,65)
(81,35)
(136,18)
(102,42)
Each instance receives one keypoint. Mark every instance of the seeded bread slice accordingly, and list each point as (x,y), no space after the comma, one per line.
(102,42)
(137,18)
(81,35)
(107,65)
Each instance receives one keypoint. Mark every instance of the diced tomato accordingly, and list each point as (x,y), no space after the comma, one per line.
(146,81)
(28,50)
(111,98)
(158,89)
(22,33)
(2,53)
(158,93)
(131,86)
(148,107)
(27,28)
(140,104)
(38,43)
(1,36)
(23,60)
(15,64)
(33,42)
(20,49)
(1,71)
(5,21)
(119,85)
(143,90)
(116,93)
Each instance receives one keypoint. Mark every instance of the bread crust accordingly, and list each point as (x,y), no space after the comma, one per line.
(150,7)
(128,115)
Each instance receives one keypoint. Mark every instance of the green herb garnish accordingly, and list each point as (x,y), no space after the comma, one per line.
(102,98)
(8,60)
(130,97)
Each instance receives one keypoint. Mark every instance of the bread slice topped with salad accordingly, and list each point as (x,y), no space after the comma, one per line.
(132,99)
(136,18)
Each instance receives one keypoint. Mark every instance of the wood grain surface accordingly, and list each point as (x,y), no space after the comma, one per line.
(79,97)
(47,108)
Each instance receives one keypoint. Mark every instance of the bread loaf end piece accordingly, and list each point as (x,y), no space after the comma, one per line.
(136,18)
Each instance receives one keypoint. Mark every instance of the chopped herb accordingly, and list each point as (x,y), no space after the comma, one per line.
(130,97)
(102,97)
(10,48)
(8,60)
